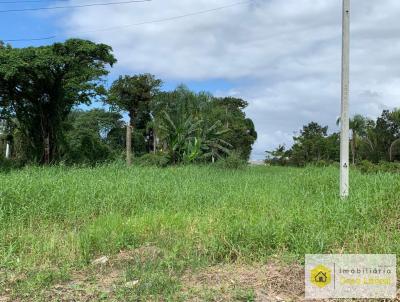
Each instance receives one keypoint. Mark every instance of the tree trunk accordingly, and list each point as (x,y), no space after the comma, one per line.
(132,115)
(392,147)
(47,133)
(128,145)
(353,147)
(154,141)
(46,142)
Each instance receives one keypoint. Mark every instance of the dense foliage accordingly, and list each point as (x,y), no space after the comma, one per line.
(133,94)
(42,88)
(39,86)
(199,127)
(93,136)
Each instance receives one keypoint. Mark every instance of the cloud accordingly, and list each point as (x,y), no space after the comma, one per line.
(281,56)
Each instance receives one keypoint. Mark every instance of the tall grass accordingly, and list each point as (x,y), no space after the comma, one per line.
(64,217)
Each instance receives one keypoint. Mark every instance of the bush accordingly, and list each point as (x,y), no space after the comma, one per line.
(368,167)
(324,163)
(232,161)
(6,165)
(151,159)
(320,163)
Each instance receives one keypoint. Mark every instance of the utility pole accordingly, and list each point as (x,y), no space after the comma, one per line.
(128,145)
(344,120)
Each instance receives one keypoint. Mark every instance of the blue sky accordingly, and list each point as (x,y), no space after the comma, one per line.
(282,56)
(22,25)
(15,25)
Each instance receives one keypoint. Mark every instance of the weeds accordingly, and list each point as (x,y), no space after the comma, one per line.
(57,220)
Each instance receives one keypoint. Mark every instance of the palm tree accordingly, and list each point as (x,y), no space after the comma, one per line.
(177,134)
(358,129)
(188,139)
(212,145)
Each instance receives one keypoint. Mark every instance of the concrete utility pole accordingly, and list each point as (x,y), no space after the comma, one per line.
(344,120)
(128,145)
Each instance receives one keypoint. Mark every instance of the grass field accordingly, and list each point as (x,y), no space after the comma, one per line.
(156,225)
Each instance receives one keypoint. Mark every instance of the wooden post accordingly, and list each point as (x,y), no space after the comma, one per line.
(8,150)
(128,145)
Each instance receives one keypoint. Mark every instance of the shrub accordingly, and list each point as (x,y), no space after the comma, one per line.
(151,159)
(6,165)
(321,163)
(369,167)
(366,167)
(232,161)
(389,167)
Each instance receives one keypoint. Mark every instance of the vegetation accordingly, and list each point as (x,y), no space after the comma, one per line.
(199,127)
(368,167)
(54,221)
(41,89)
(133,94)
(39,86)
(93,136)
(374,141)
(61,225)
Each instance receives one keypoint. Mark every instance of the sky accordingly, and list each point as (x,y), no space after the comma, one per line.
(282,56)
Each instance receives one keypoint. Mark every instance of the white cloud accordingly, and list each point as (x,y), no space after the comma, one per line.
(283,56)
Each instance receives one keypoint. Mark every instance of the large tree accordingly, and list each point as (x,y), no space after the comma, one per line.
(133,95)
(41,85)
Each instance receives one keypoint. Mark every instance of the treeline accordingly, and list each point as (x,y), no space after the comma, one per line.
(42,89)
(374,141)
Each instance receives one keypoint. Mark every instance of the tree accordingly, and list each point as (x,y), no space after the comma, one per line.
(388,131)
(277,156)
(370,140)
(358,124)
(187,126)
(41,85)
(212,145)
(93,136)
(133,95)
(180,138)
(310,144)
(242,133)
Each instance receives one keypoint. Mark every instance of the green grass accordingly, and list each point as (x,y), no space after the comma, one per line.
(56,220)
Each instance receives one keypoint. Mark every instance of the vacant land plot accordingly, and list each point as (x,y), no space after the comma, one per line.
(182,233)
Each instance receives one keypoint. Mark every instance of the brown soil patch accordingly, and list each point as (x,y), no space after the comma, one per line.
(97,282)
(274,281)
(101,280)
(268,282)
(142,254)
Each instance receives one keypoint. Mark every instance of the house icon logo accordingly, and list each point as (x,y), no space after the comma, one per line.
(321,276)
